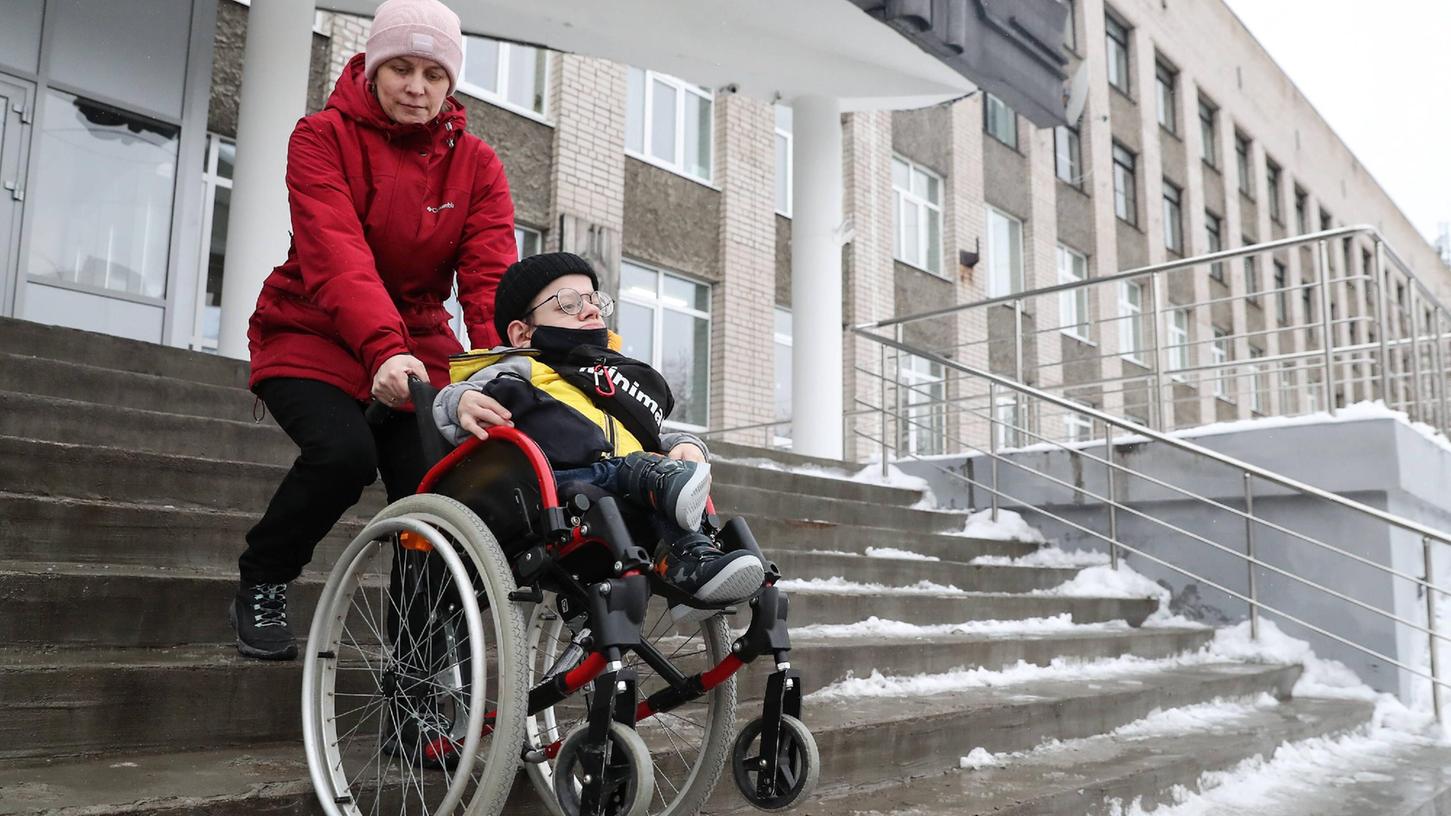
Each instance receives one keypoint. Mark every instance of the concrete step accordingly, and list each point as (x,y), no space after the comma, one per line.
(756,501)
(794,533)
(906,572)
(59,379)
(105,605)
(108,351)
(235,436)
(36,529)
(1093,776)
(863,742)
(90,700)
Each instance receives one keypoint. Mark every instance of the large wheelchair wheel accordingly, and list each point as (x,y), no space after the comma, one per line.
(688,746)
(414,688)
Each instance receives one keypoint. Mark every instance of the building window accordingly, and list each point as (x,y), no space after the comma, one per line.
(1166,81)
(1325,221)
(1070,28)
(1178,339)
(664,319)
(1068,155)
(922,394)
(507,74)
(782,348)
(1173,219)
(1208,133)
(1219,354)
(1241,160)
(918,206)
(1272,191)
(1257,385)
(1077,427)
(1214,242)
(1000,121)
(1118,53)
(1302,217)
(101,208)
(669,122)
(783,159)
(1006,425)
(216,207)
(1282,295)
(1251,275)
(1004,253)
(1131,325)
(1073,303)
(1125,200)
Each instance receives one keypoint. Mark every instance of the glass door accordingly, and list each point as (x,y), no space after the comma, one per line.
(17,102)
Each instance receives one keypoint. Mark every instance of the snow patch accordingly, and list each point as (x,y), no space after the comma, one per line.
(1193,718)
(1106,582)
(901,555)
(877,627)
(1046,557)
(840,585)
(1009,527)
(976,759)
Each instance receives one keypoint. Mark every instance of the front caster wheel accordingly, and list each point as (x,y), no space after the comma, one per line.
(629,774)
(797,770)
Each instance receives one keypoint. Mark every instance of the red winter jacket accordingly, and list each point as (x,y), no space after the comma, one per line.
(383,215)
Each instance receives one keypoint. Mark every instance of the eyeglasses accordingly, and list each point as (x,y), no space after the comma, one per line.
(572,301)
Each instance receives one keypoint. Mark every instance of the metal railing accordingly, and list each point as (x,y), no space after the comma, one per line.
(1165,359)
(996,426)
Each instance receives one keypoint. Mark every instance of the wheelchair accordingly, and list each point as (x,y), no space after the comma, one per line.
(488,622)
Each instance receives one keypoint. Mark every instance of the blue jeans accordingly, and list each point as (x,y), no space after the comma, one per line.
(605,475)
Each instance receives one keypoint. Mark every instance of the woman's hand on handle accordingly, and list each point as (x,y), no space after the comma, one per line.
(477,412)
(390,384)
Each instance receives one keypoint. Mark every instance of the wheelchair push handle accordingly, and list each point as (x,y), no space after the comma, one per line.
(377,413)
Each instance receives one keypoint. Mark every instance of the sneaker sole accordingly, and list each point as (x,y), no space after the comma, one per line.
(246,650)
(690,504)
(738,580)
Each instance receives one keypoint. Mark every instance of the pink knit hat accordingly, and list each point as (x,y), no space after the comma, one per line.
(416,28)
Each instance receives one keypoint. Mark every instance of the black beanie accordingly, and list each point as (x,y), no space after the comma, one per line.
(525,279)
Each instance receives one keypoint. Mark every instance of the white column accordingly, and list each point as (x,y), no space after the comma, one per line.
(274,96)
(816,287)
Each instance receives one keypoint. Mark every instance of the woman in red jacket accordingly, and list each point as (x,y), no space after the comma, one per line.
(391,198)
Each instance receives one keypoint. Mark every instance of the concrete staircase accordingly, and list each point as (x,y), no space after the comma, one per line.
(129,472)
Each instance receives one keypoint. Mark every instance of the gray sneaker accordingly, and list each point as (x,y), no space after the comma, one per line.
(673,487)
(259,617)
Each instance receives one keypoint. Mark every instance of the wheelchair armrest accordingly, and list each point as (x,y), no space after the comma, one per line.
(434,446)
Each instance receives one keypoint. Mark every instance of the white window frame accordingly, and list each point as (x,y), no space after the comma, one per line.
(903,198)
(1128,195)
(1256,387)
(1208,133)
(1166,95)
(1010,281)
(927,381)
(211,182)
(1131,322)
(1173,217)
(1179,320)
(1219,356)
(498,98)
(647,133)
(1214,242)
(1068,156)
(999,119)
(1118,71)
(1007,427)
(1077,427)
(1073,303)
(1251,276)
(787,135)
(658,304)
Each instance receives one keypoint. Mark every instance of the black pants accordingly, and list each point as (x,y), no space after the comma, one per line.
(340,455)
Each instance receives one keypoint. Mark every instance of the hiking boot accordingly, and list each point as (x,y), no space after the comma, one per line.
(675,488)
(422,736)
(695,566)
(259,617)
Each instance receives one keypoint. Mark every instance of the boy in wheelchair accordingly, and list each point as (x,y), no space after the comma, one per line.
(597,416)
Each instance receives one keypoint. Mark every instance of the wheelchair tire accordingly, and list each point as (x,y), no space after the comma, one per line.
(689,747)
(798,767)
(639,787)
(395,719)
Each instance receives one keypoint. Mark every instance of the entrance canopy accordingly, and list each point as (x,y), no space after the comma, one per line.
(769,49)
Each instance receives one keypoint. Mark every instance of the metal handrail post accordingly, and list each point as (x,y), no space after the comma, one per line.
(1249,550)
(1431,625)
(992,442)
(1417,412)
(1382,322)
(1018,340)
(1157,406)
(1327,343)
(1112,499)
(882,401)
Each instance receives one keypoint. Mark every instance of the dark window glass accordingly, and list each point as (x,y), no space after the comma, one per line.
(1117,40)
(1125,196)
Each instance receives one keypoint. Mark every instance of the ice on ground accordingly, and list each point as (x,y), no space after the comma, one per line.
(838,584)
(901,555)
(977,758)
(1046,557)
(1027,627)
(1009,527)
(1192,718)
